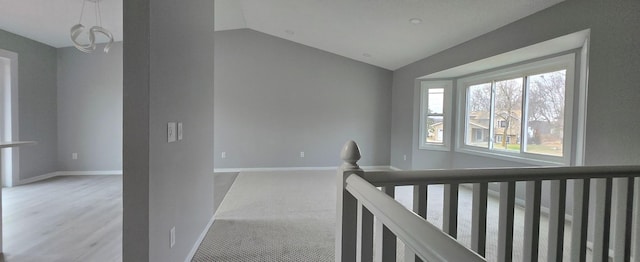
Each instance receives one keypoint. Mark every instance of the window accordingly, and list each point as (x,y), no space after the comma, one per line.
(435,105)
(521,112)
(479,134)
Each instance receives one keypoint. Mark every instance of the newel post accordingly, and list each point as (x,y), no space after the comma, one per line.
(347,205)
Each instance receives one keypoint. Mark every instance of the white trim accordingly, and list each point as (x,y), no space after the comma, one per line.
(581,123)
(447,108)
(10,130)
(36,178)
(611,251)
(542,49)
(195,247)
(566,61)
(91,173)
(268,169)
(511,156)
(519,202)
(395,168)
(67,173)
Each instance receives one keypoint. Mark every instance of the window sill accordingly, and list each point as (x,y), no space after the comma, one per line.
(434,147)
(514,157)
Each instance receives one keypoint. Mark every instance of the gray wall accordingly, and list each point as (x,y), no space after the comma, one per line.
(613,79)
(37,103)
(168,76)
(275,98)
(90,109)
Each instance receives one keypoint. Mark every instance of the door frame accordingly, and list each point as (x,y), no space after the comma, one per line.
(9,130)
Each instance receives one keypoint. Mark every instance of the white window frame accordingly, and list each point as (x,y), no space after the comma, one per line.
(425,85)
(567,62)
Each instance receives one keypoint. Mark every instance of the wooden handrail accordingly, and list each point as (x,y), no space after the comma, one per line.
(426,240)
(460,176)
(359,201)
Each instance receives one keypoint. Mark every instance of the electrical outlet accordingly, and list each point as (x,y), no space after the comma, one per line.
(301,153)
(223,155)
(171,132)
(179,130)
(74,156)
(173,236)
(405,157)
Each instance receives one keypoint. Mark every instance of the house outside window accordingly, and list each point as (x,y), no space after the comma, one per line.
(435,110)
(525,111)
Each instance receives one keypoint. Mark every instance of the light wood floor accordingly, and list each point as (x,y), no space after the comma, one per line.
(68,218)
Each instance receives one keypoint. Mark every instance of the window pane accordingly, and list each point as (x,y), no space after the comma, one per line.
(435,129)
(478,112)
(545,113)
(507,115)
(436,101)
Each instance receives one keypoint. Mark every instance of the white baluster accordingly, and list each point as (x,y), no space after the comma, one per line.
(618,218)
(579,227)
(636,221)
(420,193)
(450,210)
(347,205)
(365,234)
(532,220)
(479,218)
(602,220)
(505,227)
(385,242)
(558,192)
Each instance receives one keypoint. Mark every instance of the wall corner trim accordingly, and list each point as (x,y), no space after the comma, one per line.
(196,245)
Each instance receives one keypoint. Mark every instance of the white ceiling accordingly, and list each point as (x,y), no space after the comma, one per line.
(49,21)
(377,32)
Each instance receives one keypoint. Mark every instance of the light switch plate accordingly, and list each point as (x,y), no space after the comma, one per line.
(171,132)
(179,130)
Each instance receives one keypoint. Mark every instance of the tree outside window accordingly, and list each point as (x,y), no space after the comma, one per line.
(497,108)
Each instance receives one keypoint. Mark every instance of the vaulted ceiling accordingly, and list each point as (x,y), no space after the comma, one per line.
(378,32)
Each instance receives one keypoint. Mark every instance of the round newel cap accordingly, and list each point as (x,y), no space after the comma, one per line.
(350,154)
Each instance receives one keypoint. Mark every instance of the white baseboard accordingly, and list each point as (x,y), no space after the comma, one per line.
(91,173)
(611,251)
(69,173)
(395,168)
(37,178)
(521,202)
(195,247)
(376,168)
(267,169)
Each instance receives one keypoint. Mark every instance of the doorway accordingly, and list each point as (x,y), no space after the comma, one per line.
(9,163)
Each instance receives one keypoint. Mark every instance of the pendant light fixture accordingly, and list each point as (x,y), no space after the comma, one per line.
(77,30)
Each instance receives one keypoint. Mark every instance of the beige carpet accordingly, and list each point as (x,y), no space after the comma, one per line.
(286,216)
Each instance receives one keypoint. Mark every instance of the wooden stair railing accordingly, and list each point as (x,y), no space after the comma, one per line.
(359,201)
